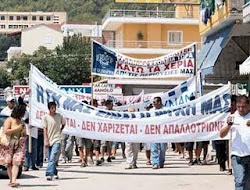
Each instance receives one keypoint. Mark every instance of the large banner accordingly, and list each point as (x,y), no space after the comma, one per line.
(177,96)
(179,64)
(197,120)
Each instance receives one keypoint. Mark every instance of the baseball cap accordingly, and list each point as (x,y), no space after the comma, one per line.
(9,98)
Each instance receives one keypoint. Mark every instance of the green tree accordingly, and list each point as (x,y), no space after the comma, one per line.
(67,64)
(4,78)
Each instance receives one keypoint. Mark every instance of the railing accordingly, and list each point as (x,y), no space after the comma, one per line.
(149,14)
(147,44)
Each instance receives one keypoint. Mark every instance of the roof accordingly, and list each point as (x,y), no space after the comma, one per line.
(82,22)
(56,27)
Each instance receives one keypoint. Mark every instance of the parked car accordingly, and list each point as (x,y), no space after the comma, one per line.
(3,168)
(3,104)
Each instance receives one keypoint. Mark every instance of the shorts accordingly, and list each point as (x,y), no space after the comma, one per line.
(97,144)
(201,144)
(82,142)
(190,146)
(106,144)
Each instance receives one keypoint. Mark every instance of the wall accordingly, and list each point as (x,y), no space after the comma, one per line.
(40,36)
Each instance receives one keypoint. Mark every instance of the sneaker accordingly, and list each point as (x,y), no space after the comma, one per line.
(134,167)
(161,165)
(102,160)
(195,161)
(25,169)
(112,157)
(128,168)
(98,162)
(83,165)
(191,163)
(35,168)
(148,163)
(199,162)
(109,159)
(49,178)
(155,167)
(56,177)
(124,156)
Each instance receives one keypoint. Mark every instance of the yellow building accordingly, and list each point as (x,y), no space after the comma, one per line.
(151,33)
(226,40)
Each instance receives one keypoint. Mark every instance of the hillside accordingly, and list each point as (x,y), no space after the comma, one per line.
(77,10)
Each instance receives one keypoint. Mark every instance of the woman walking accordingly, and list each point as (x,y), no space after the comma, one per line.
(12,156)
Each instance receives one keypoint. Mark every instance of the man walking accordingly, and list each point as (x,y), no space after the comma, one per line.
(238,125)
(131,150)
(53,124)
(158,149)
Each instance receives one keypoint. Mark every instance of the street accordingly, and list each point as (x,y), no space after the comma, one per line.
(176,175)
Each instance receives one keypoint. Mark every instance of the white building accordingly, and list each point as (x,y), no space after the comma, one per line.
(49,36)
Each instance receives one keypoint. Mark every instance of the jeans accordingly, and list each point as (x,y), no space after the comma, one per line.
(158,153)
(52,154)
(40,144)
(241,168)
(30,158)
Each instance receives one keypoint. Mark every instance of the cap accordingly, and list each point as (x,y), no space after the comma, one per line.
(9,98)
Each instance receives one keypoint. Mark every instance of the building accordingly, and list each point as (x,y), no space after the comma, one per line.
(226,41)
(16,21)
(147,34)
(48,36)
(84,28)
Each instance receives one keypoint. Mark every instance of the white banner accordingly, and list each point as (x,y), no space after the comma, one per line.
(198,120)
(179,64)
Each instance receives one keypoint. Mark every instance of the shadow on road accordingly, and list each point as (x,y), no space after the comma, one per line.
(146,174)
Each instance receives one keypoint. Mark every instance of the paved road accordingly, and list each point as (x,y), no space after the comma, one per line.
(176,175)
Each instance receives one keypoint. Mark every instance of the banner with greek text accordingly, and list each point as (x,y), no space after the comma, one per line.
(179,64)
(197,120)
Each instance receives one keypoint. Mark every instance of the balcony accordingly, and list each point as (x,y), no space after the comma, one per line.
(146,47)
(114,18)
(224,15)
(246,12)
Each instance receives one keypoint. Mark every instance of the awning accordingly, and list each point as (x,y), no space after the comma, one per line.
(211,50)
(245,67)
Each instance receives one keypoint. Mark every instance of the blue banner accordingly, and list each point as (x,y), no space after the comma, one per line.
(104,60)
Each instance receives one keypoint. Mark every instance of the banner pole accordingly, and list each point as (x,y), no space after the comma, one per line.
(92,77)
(29,129)
(230,140)
(195,71)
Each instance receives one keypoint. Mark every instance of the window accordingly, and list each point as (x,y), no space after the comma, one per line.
(33,17)
(41,18)
(20,26)
(48,18)
(15,26)
(11,17)
(11,26)
(2,26)
(18,17)
(175,37)
(2,17)
(25,18)
(47,40)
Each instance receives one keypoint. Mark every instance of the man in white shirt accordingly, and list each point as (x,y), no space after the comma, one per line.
(238,125)
(10,106)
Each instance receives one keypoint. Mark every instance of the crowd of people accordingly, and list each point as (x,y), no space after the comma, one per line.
(50,144)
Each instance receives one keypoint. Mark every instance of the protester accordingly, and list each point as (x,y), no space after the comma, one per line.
(53,124)
(97,143)
(67,145)
(107,144)
(12,156)
(158,149)
(132,150)
(10,106)
(238,124)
